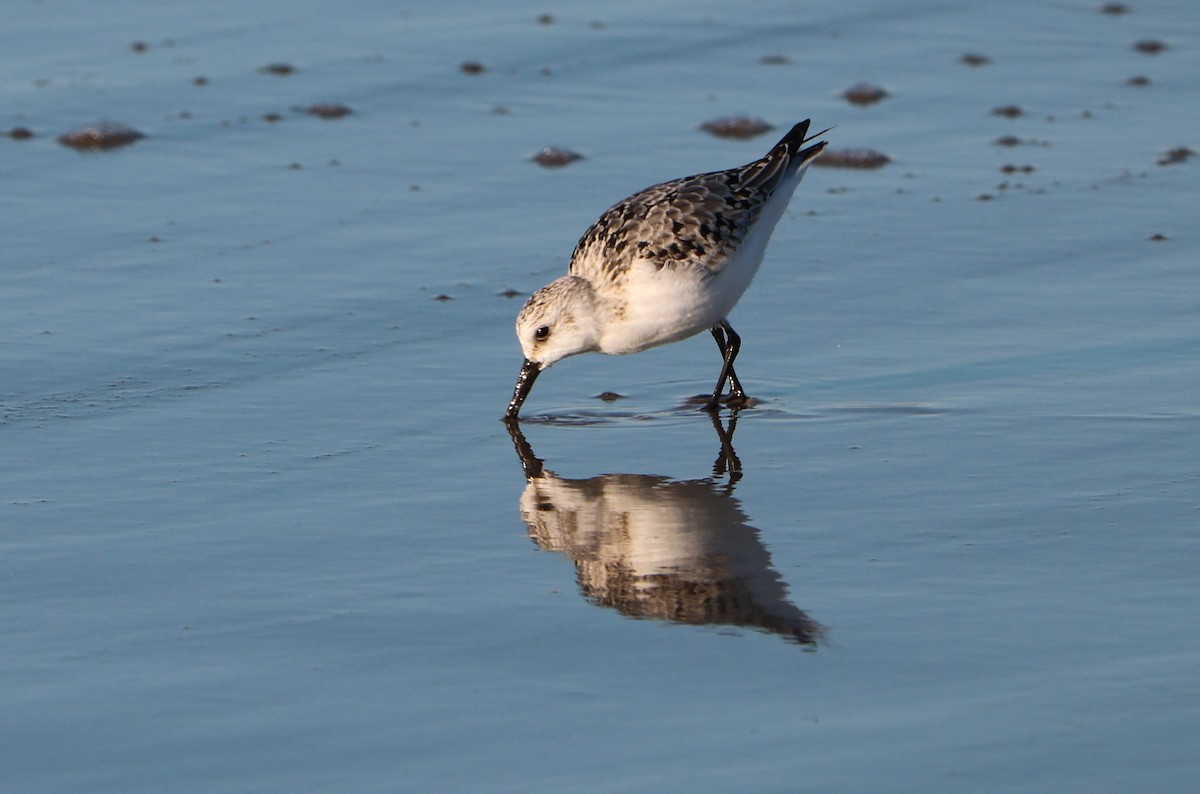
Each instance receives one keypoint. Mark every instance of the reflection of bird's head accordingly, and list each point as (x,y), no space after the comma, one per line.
(560,514)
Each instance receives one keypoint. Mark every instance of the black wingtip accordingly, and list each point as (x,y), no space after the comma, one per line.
(795,137)
(798,136)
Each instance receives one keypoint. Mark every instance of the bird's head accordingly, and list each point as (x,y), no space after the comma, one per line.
(557,321)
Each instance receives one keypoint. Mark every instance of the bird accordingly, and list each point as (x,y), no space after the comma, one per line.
(663,265)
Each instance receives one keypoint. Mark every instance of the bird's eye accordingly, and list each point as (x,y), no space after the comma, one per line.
(542,333)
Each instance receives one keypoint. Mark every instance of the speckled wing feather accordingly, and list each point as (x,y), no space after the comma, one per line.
(697,221)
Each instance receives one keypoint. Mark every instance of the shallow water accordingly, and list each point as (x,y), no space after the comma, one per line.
(261,528)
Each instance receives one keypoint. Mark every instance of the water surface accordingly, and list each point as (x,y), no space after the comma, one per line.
(261,526)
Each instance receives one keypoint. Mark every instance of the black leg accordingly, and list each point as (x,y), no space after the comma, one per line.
(729,344)
(736,394)
(723,346)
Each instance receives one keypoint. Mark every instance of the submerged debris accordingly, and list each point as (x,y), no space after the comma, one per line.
(774,60)
(20,133)
(1179,154)
(1013,140)
(1114,9)
(105,135)
(1008,111)
(328,110)
(1150,46)
(852,158)
(864,94)
(739,127)
(554,157)
(975,59)
(472,67)
(280,69)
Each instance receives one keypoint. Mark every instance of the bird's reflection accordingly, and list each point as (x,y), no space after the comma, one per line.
(653,547)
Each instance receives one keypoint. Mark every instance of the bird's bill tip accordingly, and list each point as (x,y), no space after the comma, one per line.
(529,372)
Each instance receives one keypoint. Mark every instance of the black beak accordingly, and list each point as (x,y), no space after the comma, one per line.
(529,372)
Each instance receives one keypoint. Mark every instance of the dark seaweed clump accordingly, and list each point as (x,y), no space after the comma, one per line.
(96,137)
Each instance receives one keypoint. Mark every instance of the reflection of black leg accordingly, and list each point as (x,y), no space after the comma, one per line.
(727,459)
(729,343)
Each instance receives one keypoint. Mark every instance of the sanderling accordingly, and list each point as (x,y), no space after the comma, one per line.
(663,265)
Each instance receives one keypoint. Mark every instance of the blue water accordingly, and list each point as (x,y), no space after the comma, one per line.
(261,528)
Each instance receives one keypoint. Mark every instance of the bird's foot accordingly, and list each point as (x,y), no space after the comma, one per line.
(735,401)
(739,400)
